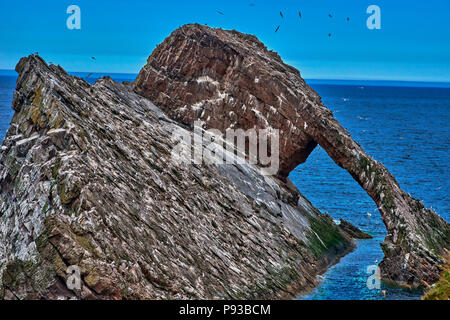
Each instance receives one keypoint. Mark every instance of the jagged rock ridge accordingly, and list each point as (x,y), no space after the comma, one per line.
(87,179)
(230,80)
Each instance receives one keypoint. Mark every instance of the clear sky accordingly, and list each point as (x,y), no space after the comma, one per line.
(413,43)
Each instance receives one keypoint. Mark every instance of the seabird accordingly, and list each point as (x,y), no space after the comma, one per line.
(348,19)
(330,15)
(300,14)
(278,28)
(93,58)
(281,14)
(329,35)
(220,12)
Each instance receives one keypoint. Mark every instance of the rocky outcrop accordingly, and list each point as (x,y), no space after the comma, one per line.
(441,289)
(87,179)
(353,231)
(230,80)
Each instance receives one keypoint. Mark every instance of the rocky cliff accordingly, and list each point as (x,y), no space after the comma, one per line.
(230,80)
(88,180)
(441,289)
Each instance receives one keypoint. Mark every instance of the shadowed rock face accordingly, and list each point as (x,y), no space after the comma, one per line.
(230,80)
(87,179)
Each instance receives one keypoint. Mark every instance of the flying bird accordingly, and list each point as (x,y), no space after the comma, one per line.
(348,19)
(220,12)
(281,14)
(329,35)
(300,14)
(330,15)
(251,4)
(93,58)
(90,74)
(278,28)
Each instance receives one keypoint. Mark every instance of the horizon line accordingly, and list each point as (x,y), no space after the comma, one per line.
(13,72)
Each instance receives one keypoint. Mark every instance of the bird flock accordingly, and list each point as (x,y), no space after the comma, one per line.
(300,17)
(282,17)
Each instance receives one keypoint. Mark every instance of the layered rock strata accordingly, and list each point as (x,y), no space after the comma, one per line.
(230,80)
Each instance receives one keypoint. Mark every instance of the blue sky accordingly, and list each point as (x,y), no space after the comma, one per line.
(413,43)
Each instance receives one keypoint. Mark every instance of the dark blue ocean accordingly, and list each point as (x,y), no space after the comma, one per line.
(404,125)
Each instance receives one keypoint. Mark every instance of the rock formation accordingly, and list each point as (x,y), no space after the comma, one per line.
(230,80)
(353,231)
(87,180)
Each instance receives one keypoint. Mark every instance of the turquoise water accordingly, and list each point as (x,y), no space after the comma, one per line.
(406,128)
